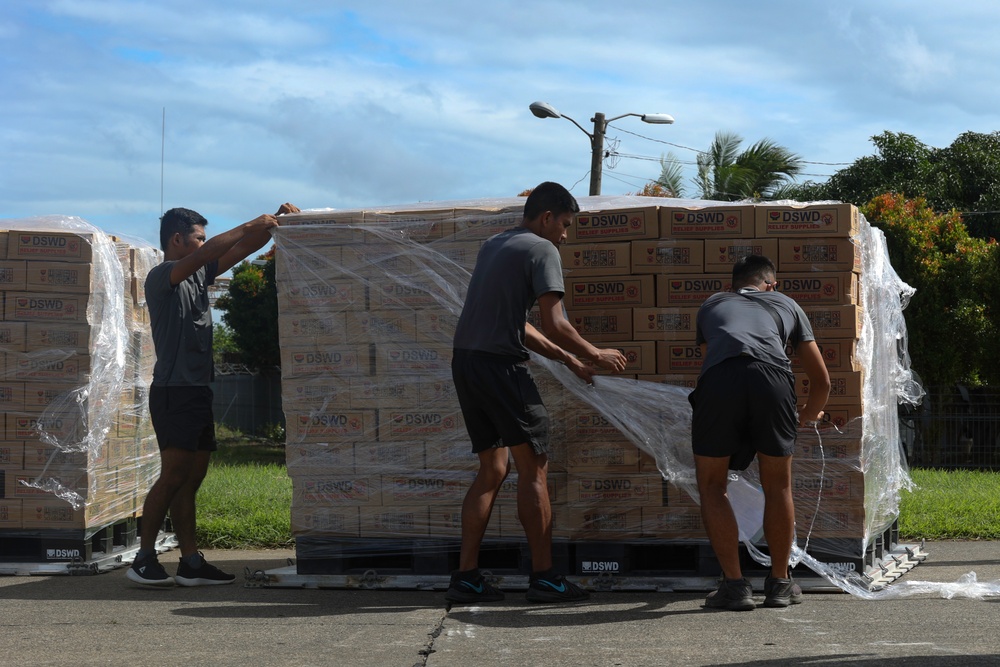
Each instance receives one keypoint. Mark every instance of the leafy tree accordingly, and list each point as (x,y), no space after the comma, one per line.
(728,174)
(224,348)
(250,309)
(952,317)
(671,178)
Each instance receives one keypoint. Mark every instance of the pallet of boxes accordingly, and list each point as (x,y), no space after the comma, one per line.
(77,454)
(376,446)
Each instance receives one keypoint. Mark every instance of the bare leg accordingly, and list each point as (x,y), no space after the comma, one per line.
(533,506)
(779,511)
(494,464)
(717,514)
(175,470)
(182,509)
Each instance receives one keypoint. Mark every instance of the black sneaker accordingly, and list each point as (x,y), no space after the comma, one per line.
(471,586)
(206,575)
(149,572)
(781,592)
(552,587)
(732,594)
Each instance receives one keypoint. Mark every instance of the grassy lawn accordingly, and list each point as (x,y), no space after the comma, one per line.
(246,499)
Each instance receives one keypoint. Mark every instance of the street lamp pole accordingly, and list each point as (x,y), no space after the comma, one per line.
(545,110)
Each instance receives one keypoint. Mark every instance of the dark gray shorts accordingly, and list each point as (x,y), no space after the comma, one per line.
(182,417)
(743,406)
(500,402)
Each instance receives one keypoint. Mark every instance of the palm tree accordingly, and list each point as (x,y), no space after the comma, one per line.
(725,173)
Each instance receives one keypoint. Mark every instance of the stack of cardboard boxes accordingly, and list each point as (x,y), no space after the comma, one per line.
(368,302)
(76,452)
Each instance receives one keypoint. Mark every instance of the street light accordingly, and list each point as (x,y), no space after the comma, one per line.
(546,110)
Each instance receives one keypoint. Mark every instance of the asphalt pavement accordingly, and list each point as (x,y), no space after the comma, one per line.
(104,619)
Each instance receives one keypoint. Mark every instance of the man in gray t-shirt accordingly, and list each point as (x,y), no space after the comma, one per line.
(745,407)
(500,403)
(180,396)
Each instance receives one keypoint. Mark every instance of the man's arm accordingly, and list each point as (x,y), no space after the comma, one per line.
(252,241)
(536,342)
(561,332)
(819,382)
(216,247)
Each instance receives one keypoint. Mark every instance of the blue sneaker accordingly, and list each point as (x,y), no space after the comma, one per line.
(471,586)
(552,587)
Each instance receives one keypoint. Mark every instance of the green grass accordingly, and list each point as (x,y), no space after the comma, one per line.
(245,502)
(951,504)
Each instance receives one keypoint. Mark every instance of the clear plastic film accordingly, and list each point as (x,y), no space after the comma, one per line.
(77,360)
(376,445)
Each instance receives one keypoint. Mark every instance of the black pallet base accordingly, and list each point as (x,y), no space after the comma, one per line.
(53,546)
(634,558)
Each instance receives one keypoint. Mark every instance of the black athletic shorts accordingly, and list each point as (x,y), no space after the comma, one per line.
(743,406)
(182,417)
(500,402)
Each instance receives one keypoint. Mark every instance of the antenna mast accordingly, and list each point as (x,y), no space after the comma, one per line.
(163,142)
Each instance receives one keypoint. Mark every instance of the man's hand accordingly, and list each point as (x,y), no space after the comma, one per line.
(287,208)
(262,223)
(611,359)
(580,369)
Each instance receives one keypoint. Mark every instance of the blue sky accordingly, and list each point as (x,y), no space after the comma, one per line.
(333,104)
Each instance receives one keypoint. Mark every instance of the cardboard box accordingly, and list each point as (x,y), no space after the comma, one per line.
(581,423)
(65,336)
(305,457)
(673,523)
(678,357)
(831,321)
(421,424)
(690,290)
(48,367)
(302,329)
(22,426)
(341,360)
(707,222)
(316,391)
(828,446)
(392,522)
(609,292)
(321,296)
(382,260)
(329,425)
(619,456)
(607,489)
(435,326)
(309,263)
(389,456)
(393,359)
(40,306)
(722,254)
(672,324)
(52,513)
(11,398)
(818,254)
(424,488)
(826,482)
(40,456)
(421,226)
(602,259)
(320,226)
(450,455)
(838,355)
(613,324)
(828,220)
(10,513)
(380,326)
(827,288)
(668,255)
(602,523)
(335,521)
(473,225)
(61,246)
(13,336)
(446,521)
(845,387)
(59,277)
(625,224)
(462,253)
(847,416)
(330,487)
(831,520)
(388,391)
(12,455)
(413,292)
(640,357)
(12,275)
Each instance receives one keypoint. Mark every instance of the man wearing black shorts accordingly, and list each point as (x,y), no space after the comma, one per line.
(180,397)
(500,402)
(744,406)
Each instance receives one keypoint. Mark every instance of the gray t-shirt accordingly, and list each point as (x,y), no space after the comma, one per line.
(733,325)
(181,320)
(513,269)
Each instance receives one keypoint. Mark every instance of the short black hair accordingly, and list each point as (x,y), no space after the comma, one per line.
(549,196)
(178,221)
(751,270)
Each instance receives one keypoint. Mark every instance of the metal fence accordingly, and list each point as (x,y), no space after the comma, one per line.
(954,427)
(249,402)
